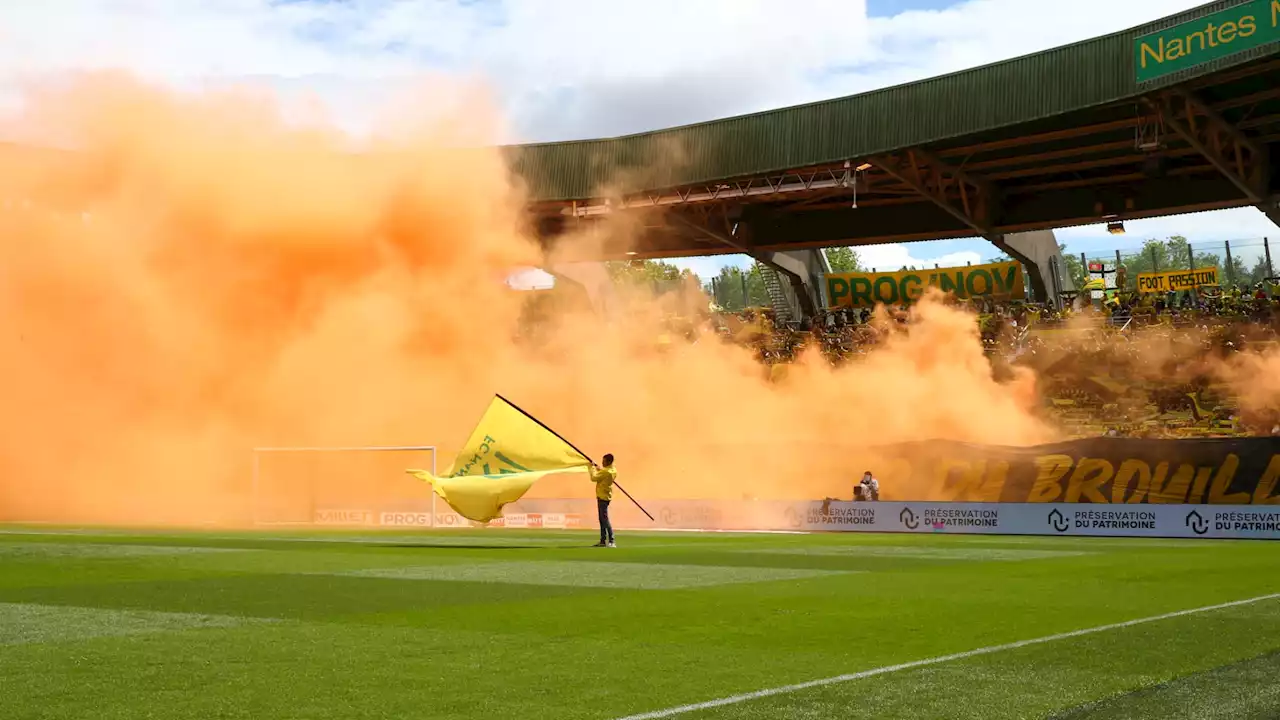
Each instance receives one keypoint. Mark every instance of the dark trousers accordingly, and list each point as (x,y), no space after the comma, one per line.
(606,528)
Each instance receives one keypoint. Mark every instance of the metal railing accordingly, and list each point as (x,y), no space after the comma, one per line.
(1240,263)
(782,302)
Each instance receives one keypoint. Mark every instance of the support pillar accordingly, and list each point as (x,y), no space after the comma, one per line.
(806,270)
(1036,250)
(594,280)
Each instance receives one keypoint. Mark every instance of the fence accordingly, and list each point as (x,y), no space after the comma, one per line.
(1239,262)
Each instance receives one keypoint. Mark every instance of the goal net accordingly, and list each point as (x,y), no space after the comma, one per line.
(342,486)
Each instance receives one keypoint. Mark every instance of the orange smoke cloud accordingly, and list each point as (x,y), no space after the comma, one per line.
(198,278)
(1255,379)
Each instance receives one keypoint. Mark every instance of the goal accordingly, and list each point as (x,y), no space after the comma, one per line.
(342,486)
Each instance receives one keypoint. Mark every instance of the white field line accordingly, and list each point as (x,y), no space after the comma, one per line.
(428,533)
(640,576)
(758,694)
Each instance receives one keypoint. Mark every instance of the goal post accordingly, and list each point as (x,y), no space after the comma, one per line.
(352,486)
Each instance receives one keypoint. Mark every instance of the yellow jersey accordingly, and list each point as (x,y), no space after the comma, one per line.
(604,479)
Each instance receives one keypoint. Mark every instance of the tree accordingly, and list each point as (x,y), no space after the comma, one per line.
(844,260)
(1235,272)
(1177,255)
(727,289)
(1156,256)
(658,276)
(1259,271)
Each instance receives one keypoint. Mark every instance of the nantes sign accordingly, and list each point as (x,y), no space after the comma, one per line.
(865,290)
(1196,42)
(1118,471)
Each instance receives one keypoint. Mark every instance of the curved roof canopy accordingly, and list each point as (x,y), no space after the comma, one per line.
(1089,74)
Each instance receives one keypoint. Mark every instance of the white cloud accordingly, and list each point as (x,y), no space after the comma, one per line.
(168,39)
(570,69)
(895,256)
(573,68)
(531,279)
(1246,224)
(708,267)
(925,43)
(563,67)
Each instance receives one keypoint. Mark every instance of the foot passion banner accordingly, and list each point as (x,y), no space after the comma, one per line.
(1177,280)
(1214,471)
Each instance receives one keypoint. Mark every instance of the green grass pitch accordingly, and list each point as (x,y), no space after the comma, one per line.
(500,624)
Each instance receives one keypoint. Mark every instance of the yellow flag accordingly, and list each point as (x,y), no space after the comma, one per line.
(507,453)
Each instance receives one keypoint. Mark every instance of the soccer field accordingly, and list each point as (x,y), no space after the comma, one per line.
(500,624)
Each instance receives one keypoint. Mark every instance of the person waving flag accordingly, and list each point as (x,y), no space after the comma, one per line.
(604,478)
(507,453)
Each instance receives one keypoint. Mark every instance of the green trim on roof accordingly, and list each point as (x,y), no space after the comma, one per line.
(1061,80)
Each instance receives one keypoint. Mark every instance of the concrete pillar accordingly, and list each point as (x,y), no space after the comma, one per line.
(1271,208)
(806,269)
(1039,248)
(593,278)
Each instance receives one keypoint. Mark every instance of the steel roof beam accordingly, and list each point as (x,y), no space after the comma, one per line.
(1226,147)
(832,179)
(767,257)
(935,180)
(764,187)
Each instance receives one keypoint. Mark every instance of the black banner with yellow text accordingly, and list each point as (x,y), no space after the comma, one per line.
(1219,471)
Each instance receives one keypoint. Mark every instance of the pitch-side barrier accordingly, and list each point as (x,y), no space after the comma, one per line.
(1052,519)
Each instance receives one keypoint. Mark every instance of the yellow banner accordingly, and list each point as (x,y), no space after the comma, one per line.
(858,290)
(507,453)
(1176,280)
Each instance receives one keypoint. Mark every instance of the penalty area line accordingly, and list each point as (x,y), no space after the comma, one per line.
(785,689)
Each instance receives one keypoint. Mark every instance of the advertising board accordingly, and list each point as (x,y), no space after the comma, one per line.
(1080,519)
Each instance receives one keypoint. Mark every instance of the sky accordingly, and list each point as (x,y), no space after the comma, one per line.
(570,69)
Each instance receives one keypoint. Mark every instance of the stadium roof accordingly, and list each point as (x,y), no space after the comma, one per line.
(1034,87)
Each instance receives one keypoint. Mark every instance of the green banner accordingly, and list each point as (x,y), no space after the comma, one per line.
(1218,471)
(866,290)
(1206,39)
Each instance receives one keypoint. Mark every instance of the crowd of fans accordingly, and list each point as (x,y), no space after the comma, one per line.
(1128,364)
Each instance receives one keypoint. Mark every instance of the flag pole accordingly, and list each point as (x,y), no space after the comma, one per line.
(633,500)
(575,449)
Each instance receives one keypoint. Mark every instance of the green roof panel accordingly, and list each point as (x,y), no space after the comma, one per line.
(1061,80)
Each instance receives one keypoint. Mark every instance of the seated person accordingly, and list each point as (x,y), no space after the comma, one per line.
(867,489)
